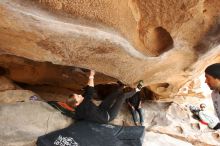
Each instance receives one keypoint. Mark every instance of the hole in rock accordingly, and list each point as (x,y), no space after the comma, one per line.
(3,71)
(158,40)
(216,136)
(159,86)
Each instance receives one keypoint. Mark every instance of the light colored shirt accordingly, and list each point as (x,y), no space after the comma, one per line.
(216,102)
(204,116)
(208,118)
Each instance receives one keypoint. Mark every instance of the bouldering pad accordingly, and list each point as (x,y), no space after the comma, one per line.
(85,133)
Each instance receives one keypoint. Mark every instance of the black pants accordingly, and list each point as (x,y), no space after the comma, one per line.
(113,102)
(217,126)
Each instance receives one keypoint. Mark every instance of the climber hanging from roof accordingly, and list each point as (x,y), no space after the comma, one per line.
(80,107)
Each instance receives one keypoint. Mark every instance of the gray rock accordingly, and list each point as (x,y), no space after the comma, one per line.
(21,123)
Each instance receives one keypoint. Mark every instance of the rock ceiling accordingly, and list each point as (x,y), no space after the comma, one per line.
(164,42)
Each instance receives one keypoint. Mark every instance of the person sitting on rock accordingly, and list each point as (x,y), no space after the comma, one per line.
(85,109)
(204,117)
(134,104)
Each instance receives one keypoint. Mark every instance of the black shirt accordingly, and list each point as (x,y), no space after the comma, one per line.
(87,110)
(135,100)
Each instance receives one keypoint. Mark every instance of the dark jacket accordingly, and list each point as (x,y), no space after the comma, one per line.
(135,100)
(87,110)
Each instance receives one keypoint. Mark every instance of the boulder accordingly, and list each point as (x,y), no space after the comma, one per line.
(22,123)
(13,96)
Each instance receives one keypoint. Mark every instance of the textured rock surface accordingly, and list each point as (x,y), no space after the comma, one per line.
(13,96)
(47,46)
(22,123)
(155,139)
(173,124)
(6,84)
(117,38)
(44,73)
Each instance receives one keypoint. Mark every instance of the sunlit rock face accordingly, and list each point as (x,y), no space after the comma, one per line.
(163,42)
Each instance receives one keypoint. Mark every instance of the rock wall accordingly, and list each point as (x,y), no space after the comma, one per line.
(47,47)
(162,42)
